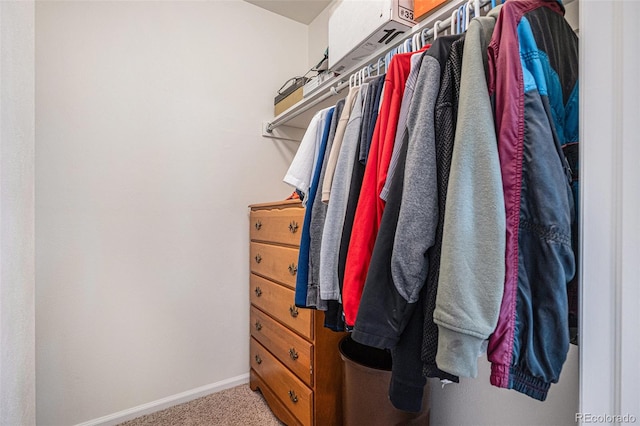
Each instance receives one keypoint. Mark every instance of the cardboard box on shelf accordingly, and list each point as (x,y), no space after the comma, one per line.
(288,101)
(421,8)
(355,31)
(290,93)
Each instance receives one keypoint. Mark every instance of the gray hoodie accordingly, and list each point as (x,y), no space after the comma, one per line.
(472,268)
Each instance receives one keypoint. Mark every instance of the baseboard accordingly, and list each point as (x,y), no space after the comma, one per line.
(161,404)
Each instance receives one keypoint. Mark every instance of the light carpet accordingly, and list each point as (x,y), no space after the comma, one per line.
(235,406)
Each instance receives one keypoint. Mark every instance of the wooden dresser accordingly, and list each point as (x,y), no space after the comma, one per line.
(295,360)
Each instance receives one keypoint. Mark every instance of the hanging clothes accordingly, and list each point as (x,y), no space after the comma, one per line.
(370,327)
(450,224)
(300,170)
(306,173)
(406,387)
(329,283)
(407,97)
(418,216)
(369,113)
(370,206)
(533,78)
(386,318)
(380,322)
(337,143)
(318,215)
(328,280)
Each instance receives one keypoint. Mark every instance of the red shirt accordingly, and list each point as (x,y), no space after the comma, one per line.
(370,206)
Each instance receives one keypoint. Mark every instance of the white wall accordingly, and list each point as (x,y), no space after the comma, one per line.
(476,402)
(148,118)
(17,283)
(610,107)
(319,33)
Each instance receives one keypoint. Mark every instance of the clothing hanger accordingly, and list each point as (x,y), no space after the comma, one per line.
(416,42)
(423,36)
(476,7)
(461,20)
(454,21)
(408,46)
(366,72)
(435,29)
(387,60)
(467,15)
(362,74)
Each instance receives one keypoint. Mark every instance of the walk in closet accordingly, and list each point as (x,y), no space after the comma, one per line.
(135,136)
(416,277)
(370,66)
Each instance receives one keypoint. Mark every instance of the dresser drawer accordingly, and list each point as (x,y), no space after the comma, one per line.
(291,349)
(275,262)
(293,393)
(279,302)
(282,226)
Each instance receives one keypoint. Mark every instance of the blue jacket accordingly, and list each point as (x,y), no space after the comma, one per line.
(533,81)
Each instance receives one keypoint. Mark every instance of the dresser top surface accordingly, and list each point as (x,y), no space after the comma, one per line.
(276,204)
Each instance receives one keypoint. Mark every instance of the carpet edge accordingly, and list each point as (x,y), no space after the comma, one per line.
(169,401)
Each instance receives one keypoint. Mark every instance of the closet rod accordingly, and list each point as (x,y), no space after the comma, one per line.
(344,78)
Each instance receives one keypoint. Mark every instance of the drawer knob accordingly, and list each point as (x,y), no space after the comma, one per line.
(293,269)
(293,226)
(258,359)
(258,326)
(293,311)
(293,354)
(258,291)
(293,397)
(258,258)
(258,225)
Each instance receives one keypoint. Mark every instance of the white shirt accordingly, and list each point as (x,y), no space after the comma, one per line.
(301,169)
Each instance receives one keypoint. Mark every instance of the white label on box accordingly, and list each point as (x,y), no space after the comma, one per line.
(405,13)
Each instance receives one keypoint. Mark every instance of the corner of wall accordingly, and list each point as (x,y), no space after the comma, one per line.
(318,33)
(17,254)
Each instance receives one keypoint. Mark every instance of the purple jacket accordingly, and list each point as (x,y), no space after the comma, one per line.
(533,80)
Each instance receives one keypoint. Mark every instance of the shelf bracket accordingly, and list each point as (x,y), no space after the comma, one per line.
(282,132)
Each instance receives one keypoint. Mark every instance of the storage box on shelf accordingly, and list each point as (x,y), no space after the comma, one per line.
(290,124)
(422,8)
(288,101)
(295,360)
(358,29)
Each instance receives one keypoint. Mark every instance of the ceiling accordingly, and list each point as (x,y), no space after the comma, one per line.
(303,11)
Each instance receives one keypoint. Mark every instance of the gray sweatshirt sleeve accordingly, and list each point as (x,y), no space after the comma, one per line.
(418,215)
(407,97)
(332,233)
(472,265)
